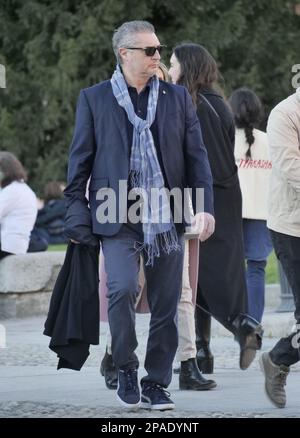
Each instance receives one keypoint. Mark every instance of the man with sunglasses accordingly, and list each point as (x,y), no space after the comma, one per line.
(143,131)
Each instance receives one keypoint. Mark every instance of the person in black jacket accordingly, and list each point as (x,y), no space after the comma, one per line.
(49,228)
(51,218)
(221,283)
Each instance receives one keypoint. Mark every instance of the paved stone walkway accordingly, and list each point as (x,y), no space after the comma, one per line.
(30,385)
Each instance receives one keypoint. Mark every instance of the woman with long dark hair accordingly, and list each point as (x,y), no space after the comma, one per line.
(222,289)
(254,170)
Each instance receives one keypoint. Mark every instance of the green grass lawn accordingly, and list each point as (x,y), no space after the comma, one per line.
(61,247)
(272,275)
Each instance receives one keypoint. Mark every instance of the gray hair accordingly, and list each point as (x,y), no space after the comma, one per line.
(125,35)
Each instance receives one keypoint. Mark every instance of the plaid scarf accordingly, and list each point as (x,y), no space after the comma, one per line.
(145,172)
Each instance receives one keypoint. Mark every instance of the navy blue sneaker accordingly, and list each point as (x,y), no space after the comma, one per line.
(128,393)
(154,396)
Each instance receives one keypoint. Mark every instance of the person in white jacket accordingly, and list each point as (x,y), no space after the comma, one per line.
(254,171)
(284,222)
(18,207)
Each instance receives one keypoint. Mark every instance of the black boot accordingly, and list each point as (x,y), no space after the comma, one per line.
(248,332)
(205,359)
(190,377)
(109,371)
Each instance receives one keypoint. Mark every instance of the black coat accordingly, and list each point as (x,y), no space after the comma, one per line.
(52,210)
(73,318)
(222,284)
(51,221)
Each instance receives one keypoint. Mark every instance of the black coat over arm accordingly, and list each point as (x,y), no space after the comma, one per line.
(73,318)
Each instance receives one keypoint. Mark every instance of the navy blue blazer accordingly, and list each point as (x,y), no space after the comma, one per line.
(100,150)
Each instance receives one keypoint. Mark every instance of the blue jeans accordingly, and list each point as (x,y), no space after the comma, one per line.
(255,276)
(258,245)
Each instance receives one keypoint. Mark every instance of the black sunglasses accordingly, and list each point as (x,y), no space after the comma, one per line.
(149,51)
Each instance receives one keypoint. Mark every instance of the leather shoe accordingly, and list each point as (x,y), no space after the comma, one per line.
(205,360)
(191,378)
(249,333)
(109,371)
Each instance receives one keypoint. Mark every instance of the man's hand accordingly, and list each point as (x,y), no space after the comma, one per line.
(204,225)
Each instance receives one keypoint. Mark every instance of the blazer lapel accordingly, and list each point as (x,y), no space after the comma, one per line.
(161,114)
(120,118)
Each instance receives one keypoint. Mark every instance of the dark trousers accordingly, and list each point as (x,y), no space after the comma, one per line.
(164,282)
(287,249)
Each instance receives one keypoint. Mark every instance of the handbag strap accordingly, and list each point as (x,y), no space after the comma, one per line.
(210,105)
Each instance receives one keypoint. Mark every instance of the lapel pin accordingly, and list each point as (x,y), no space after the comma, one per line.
(164,92)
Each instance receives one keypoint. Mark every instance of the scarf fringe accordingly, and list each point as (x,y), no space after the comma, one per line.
(167,242)
(136,179)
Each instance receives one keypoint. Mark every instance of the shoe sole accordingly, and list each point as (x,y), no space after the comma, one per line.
(247,357)
(114,387)
(129,406)
(150,407)
(248,353)
(199,388)
(204,387)
(262,368)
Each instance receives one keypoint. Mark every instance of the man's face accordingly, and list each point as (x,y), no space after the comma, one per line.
(136,62)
